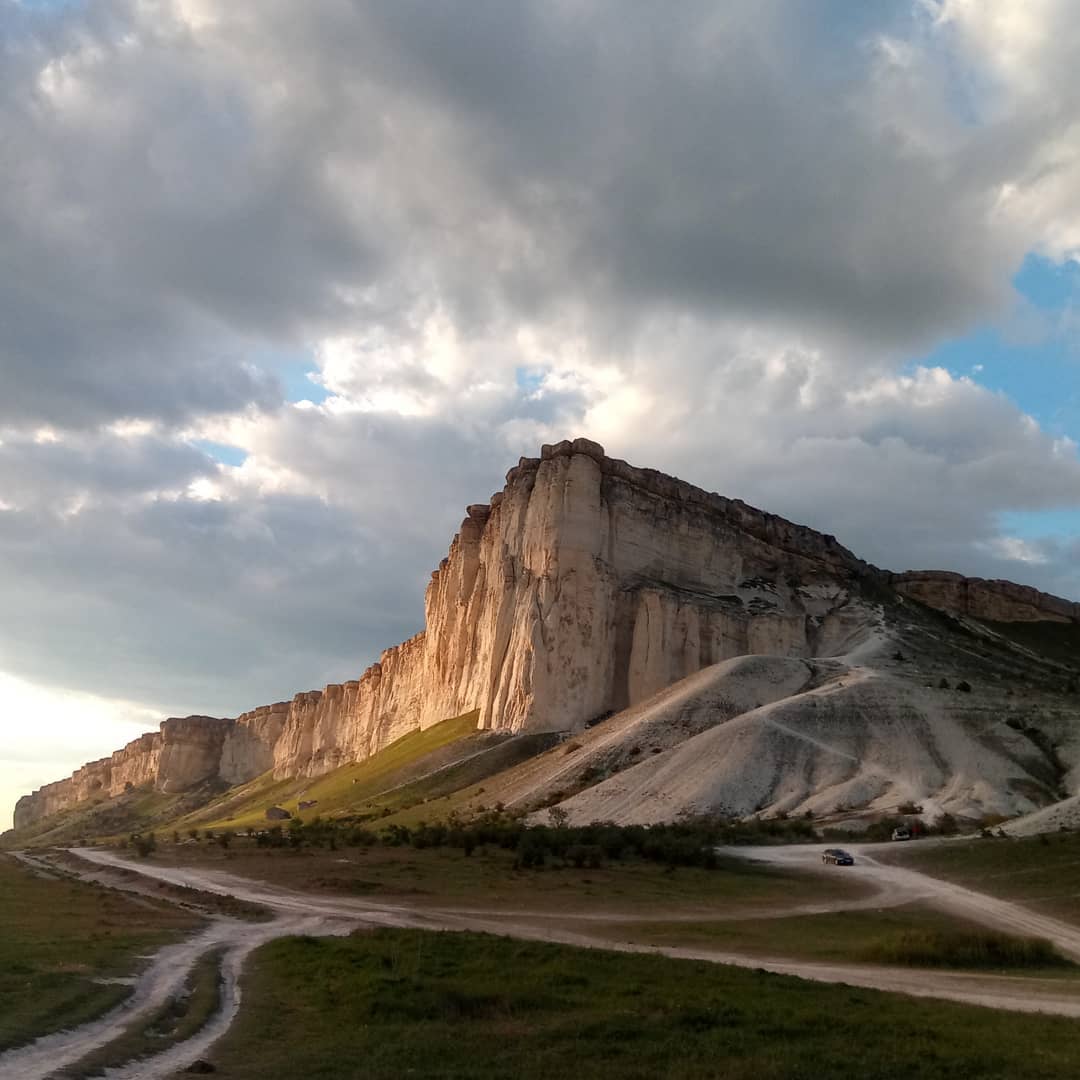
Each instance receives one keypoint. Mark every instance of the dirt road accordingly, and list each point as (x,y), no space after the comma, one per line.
(301,913)
(899,885)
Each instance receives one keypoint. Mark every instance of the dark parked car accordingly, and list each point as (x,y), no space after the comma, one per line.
(837,857)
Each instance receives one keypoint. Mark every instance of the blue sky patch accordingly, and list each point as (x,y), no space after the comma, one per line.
(222,452)
(294,371)
(1041,524)
(1033,367)
(1048,285)
(50,6)
(529,379)
(1038,370)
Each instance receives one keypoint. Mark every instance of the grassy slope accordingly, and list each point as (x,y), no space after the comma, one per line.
(460,787)
(134,810)
(406,1003)
(343,789)
(56,936)
(486,793)
(1043,872)
(1058,641)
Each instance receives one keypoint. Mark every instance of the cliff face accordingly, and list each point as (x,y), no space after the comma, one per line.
(183,752)
(584,586)
(997,601)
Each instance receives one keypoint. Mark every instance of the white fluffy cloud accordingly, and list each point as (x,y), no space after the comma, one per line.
(713,238)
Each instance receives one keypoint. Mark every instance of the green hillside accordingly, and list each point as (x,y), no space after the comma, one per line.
(346,788)
(415,758)
(139,809)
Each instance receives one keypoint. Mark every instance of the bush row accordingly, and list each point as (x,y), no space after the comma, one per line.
(689,842)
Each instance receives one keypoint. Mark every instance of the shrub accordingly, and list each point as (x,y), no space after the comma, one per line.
(957,948)
(584,855)
(531,853)
(144,845)
(360,838)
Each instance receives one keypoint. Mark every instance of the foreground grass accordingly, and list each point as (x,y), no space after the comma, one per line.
(408,1003)
(911,935)
(445,877)
(1042,871)
(57,937)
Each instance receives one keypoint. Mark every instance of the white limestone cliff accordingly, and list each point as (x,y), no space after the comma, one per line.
(583,587)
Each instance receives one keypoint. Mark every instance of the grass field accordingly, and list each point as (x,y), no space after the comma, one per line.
(909,934)
(57,937)
(445,877)
(473,1007)
(1042,871)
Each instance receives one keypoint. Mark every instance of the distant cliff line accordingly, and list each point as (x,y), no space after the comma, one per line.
(582,587)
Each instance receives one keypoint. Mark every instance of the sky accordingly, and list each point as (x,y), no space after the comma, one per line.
(283,287)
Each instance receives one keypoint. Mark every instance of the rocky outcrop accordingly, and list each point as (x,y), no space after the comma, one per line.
(851,740)
(584,586)
(996,601)
(183,752)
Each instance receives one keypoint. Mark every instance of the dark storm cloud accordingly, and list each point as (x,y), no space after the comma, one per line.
(700,158)
(155,228)
(179,195)
(217,605)
(192,605)
(38,474)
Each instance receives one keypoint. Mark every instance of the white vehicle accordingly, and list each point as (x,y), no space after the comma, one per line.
(901,833)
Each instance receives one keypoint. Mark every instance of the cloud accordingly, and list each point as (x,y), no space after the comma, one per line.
(287,577)
(68,729)
(714,238)
(189,183)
